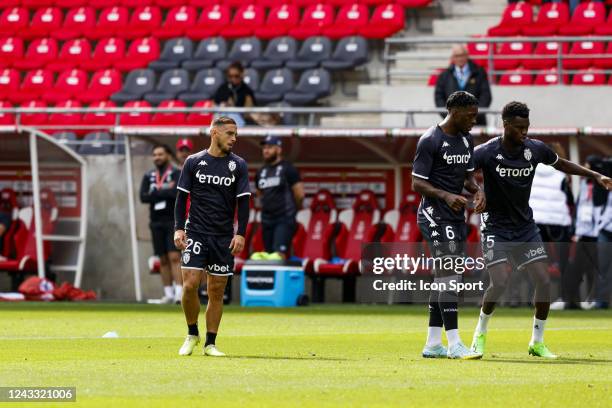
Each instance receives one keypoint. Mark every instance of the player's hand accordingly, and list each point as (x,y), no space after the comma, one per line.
(180,239)
(479,202)
(605,182)
(237,244)
(455,201)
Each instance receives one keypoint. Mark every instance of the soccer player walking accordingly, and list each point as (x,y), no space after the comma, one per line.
(218,183)
(510,237)
(442,168)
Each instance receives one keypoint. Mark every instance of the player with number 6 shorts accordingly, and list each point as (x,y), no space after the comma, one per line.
(217,182)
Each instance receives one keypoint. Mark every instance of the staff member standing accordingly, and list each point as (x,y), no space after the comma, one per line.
(158,189)
(282,193)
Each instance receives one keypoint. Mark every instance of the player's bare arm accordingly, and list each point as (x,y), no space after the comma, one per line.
(473,187)
(423,187)
(569,167)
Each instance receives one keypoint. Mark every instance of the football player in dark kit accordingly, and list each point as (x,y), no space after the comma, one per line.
(158,189)
(282,193)
(510,238)
(443,166)
(218,182)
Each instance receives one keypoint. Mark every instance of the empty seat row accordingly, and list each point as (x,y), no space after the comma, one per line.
(215,19)
(275,86)
(92,143)
(553,18)
(113,53)
(281,51)
(542,55)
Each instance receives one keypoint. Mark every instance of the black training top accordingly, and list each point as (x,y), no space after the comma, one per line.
(275,182)
(158,189)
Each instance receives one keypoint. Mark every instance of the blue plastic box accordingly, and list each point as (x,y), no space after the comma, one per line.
(271,283)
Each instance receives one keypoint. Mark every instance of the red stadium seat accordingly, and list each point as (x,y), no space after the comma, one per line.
(71,3)
(433,78)
(66,118)
(136,3)
(102,119)
(200,119)
(140,54)
(9,82)
(508,50)
(515,17)
(108,52)
(386,20)
(315,19)
(589,77)
(248,18)
(6,118)
(135,118)
(40,52)
(280,20)
(548,77)
(606,28)
(33,86)
(69,85)
(169,3)
(34,4)
(11,50)
(479,52)
(350,19)
(585,18)
(414,3)
(543,49)
(143,22)
(100,4)
(169,118)
(315,230)
(77,23)
(212,20)
(517,77)
(178,21)
(583,48)
(11,3)
(73,54)
(13,20)
(604,63)
(112,21)
(34,118)
(45,21)
(550,18)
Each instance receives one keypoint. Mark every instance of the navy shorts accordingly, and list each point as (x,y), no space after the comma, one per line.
(277,236)
(162,235)
(518,248)
(445,239)
(208,252)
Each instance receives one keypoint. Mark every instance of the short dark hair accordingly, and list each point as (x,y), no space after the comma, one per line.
(514,109)
(162,146)
(461,99)
(235,65)
(222,120)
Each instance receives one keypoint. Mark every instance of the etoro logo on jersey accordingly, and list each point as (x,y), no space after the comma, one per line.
(512,172)
(456,158)
(214,179)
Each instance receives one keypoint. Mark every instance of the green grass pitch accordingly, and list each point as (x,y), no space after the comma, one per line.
(315,356)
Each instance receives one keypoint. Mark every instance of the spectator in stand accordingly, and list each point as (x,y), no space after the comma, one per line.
(552,203)
(604,240)
(463,75)
(158,189)
(184,148)
(235,93)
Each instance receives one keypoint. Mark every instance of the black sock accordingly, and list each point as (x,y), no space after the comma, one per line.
(210,338)
(449,307)
(192,329)
(435,314)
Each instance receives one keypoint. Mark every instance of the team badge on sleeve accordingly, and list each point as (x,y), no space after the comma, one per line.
(527,154)
(232,165)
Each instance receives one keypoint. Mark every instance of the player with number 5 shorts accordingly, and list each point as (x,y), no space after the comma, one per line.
(217,181)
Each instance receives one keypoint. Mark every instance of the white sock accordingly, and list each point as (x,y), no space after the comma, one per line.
(483,322)
(169,291)
(453,337)
(537,335)
(434,336)
(178,291)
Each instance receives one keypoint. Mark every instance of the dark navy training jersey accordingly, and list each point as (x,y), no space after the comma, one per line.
(508,179)
(213,183)
(275,183)
(443,161)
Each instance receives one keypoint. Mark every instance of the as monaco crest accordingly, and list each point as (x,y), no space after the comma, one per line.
(186,257)
(527,154)
(232,165)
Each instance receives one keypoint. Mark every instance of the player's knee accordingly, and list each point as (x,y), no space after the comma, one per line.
(164,261)
(190,285)
(174,257)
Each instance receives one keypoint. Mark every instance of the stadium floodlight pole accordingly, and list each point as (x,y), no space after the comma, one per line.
(132,214)
(40,256)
